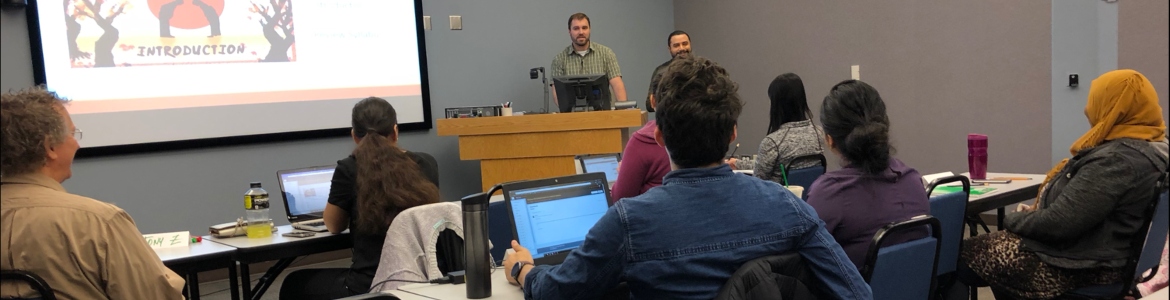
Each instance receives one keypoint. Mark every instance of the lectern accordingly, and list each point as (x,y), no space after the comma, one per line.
(528,147)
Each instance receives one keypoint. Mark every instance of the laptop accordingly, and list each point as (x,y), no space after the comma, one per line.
(604,163)
(306,192)
(551,216)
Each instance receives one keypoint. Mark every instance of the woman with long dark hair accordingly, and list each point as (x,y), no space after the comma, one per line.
(791,132)
(369,188)
(873,189)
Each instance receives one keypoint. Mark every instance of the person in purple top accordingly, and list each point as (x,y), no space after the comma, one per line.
(873,189)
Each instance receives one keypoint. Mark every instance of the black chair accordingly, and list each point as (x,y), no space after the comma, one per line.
(499,230)
(904,270)
(1146,250)
(34,281)
(804,177)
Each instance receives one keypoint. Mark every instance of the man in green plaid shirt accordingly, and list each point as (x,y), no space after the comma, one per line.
(586,57)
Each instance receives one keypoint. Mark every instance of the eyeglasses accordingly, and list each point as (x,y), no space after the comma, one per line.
(77,134)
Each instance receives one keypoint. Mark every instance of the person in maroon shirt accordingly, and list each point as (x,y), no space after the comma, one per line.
(644,161)
(873,189)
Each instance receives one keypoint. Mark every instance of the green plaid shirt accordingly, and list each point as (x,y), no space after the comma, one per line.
(599,60)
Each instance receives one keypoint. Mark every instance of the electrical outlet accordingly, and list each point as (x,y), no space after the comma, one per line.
(427,23)
(456,22)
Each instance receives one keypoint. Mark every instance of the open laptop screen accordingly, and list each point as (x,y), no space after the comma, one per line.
(306,191)
(607,164)
(554,216)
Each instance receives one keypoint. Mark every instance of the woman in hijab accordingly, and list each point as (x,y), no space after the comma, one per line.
(1090,206)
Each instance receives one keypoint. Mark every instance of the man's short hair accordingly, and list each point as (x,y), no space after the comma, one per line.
(579,16)
(28,120)
(676,32)
(698,107)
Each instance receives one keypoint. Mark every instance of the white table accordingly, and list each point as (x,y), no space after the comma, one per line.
(1162,294)
(198,257)
(501,289)
(280,248)
(1004,195)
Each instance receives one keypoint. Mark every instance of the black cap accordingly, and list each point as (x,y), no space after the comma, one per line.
(255,185)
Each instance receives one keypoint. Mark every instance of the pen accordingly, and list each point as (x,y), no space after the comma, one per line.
(736,149)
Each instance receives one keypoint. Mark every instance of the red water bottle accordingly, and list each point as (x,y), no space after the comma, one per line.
(977,155)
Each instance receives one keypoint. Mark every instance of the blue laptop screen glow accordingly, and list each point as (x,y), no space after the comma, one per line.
(306,191)
(555,218)
(607,164)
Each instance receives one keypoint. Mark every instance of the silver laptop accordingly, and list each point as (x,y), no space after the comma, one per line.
(306,192)
(552,216)
(601,163)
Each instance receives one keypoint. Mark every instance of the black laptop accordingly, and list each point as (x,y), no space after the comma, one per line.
(551,216)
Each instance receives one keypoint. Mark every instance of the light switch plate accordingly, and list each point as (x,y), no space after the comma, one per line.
(456,22)
(427,23)
(855,72)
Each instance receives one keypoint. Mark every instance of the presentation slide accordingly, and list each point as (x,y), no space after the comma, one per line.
(143,71)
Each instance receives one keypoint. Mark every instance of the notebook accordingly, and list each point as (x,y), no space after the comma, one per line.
(551,216)
(306,192)
(603,163)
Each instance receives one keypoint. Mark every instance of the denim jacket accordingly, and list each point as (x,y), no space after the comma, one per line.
(684,239)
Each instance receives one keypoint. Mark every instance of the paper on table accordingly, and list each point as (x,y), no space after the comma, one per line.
(167,240)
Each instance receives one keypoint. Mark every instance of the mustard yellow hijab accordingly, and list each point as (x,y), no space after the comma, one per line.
(1122,104)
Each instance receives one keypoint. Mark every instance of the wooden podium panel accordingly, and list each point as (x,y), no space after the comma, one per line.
(538,146)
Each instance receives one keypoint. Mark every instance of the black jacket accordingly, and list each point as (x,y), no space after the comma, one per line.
(1094,206)
(774,277)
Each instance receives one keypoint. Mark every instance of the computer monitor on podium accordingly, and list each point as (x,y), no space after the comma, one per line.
(585,92)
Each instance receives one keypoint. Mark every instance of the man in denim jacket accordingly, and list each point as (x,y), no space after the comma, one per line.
(684,239)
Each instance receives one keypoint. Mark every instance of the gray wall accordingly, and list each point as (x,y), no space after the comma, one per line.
(945,68)
(485,63)
(1143,43)
(1084,42)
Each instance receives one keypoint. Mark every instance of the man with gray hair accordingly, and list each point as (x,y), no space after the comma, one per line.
(83,248)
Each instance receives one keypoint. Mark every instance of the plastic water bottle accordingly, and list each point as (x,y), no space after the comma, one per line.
(256,204)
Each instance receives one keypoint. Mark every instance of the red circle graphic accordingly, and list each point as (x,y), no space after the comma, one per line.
(188,14)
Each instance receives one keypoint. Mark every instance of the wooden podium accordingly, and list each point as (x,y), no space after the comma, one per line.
(538,146)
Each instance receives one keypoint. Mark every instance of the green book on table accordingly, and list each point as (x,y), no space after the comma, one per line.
(947,189)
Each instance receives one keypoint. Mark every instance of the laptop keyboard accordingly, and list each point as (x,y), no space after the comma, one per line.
(317,223)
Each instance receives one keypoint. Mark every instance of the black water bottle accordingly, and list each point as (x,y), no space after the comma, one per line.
(475,245)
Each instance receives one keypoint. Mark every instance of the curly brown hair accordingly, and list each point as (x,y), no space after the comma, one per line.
(29,119)
(388,180)
(698,107)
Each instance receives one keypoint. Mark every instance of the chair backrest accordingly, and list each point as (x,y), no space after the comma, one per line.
(499,229)
(805,176)
(950,210)
(36,282)
(1156,236)
(905,270)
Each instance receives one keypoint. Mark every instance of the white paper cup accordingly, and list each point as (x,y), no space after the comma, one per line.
(797,190)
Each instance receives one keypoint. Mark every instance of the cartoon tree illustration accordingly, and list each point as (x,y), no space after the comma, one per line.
(72,30)
(104,46)
(276,15)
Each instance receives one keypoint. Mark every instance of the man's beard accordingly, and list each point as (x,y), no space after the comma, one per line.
(586,42)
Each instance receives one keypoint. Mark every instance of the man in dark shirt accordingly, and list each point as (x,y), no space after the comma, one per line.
(679,45)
